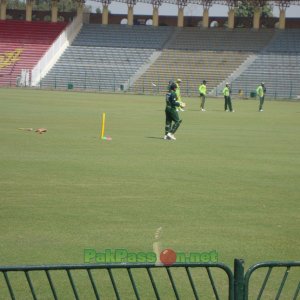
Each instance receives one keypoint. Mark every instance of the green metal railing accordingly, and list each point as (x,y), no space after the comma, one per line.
(169,271)
(178,281)
(270,266)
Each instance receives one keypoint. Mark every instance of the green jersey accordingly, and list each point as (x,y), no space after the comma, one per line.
(260,91)
(226,91)
(202,89)
(171,100)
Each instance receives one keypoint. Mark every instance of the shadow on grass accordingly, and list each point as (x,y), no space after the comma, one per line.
(154,137)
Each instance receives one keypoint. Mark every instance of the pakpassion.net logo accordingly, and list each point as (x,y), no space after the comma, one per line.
(166,257)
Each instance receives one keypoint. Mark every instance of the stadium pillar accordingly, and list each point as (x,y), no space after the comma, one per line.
(3,9)
(231,18)
(79,8)
(130,15)
(256,17)
(180,16)
(29,10)
(54,11)
(205,18)
(155,16)
(105,14)
(282,18)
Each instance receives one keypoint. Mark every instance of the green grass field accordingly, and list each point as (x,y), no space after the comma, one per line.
(230,182)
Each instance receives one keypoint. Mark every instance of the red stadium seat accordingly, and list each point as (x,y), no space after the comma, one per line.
(22,44)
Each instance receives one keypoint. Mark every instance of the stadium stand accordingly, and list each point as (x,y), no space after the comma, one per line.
(123,36)
(22,44)
(106,57)
(278,66)
(194,54)
(220,39)
(142,59)
(192,67)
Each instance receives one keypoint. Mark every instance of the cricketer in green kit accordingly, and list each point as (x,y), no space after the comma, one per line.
(171,113)
(227,98)
(260,91)
(202,92)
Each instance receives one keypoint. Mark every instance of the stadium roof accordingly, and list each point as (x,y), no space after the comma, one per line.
(206,3)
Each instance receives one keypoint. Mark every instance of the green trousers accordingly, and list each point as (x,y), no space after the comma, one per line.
(203,98)
(261,102)
(228,103)
(173,120)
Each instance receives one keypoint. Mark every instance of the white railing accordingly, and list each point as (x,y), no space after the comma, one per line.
(56,50)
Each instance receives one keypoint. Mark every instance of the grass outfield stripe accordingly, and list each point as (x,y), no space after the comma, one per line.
(229,183)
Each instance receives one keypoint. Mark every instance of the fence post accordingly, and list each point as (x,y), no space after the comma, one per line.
(238,279)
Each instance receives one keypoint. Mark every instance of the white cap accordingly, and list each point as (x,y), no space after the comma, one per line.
(179,80)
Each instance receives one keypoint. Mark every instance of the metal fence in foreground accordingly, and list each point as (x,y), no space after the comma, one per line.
(267,280)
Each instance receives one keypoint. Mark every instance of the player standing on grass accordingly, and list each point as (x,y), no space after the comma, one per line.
(202,92)
(227,98)
(172,118)
(260,91)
